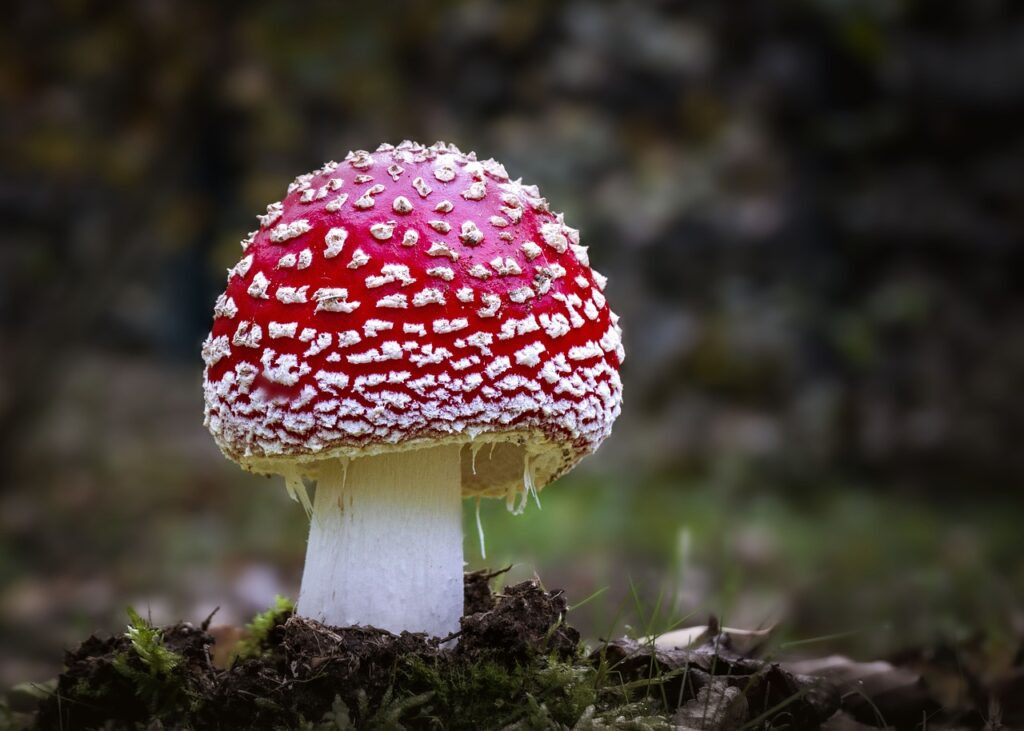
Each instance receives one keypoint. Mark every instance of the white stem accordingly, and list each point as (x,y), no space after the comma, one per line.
(385,543)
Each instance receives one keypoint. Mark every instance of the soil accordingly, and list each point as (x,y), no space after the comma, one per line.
(305,668)
(516,664)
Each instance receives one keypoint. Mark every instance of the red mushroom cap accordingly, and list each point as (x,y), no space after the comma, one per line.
(407,297)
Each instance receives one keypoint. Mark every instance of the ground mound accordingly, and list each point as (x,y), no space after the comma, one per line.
(515,664)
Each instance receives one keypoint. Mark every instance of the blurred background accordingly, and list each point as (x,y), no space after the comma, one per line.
(811,213)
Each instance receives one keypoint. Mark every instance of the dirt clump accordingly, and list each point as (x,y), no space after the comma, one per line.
(307,666)
(477,594)
(121,679)
(525,621)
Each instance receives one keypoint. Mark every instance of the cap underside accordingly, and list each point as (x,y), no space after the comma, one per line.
(494,464)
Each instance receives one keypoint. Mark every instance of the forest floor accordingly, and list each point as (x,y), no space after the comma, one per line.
(516,663)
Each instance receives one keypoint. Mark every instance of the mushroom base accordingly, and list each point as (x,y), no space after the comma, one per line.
(385,543)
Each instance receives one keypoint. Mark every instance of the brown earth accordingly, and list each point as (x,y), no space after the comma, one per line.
(516,665)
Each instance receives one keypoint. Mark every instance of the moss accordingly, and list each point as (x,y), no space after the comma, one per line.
(143,675)
(488,694)
(255,642)
(147,641)
(158,684)
(547,694)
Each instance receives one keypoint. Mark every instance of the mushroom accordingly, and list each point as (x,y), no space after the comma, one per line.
(403,365)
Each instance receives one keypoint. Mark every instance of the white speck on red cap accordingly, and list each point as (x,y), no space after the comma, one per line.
(285,231)
(507,338)
(225,307)
(274,211)
(334,205)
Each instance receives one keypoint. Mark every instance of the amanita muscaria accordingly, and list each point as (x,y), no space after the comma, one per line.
(407,328)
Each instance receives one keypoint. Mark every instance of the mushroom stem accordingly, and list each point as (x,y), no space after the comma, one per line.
(385,543)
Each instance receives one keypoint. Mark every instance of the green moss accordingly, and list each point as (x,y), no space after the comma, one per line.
(156,682)
(546,695)
(387,717)
(487,694)
(256,631)
(147,641)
